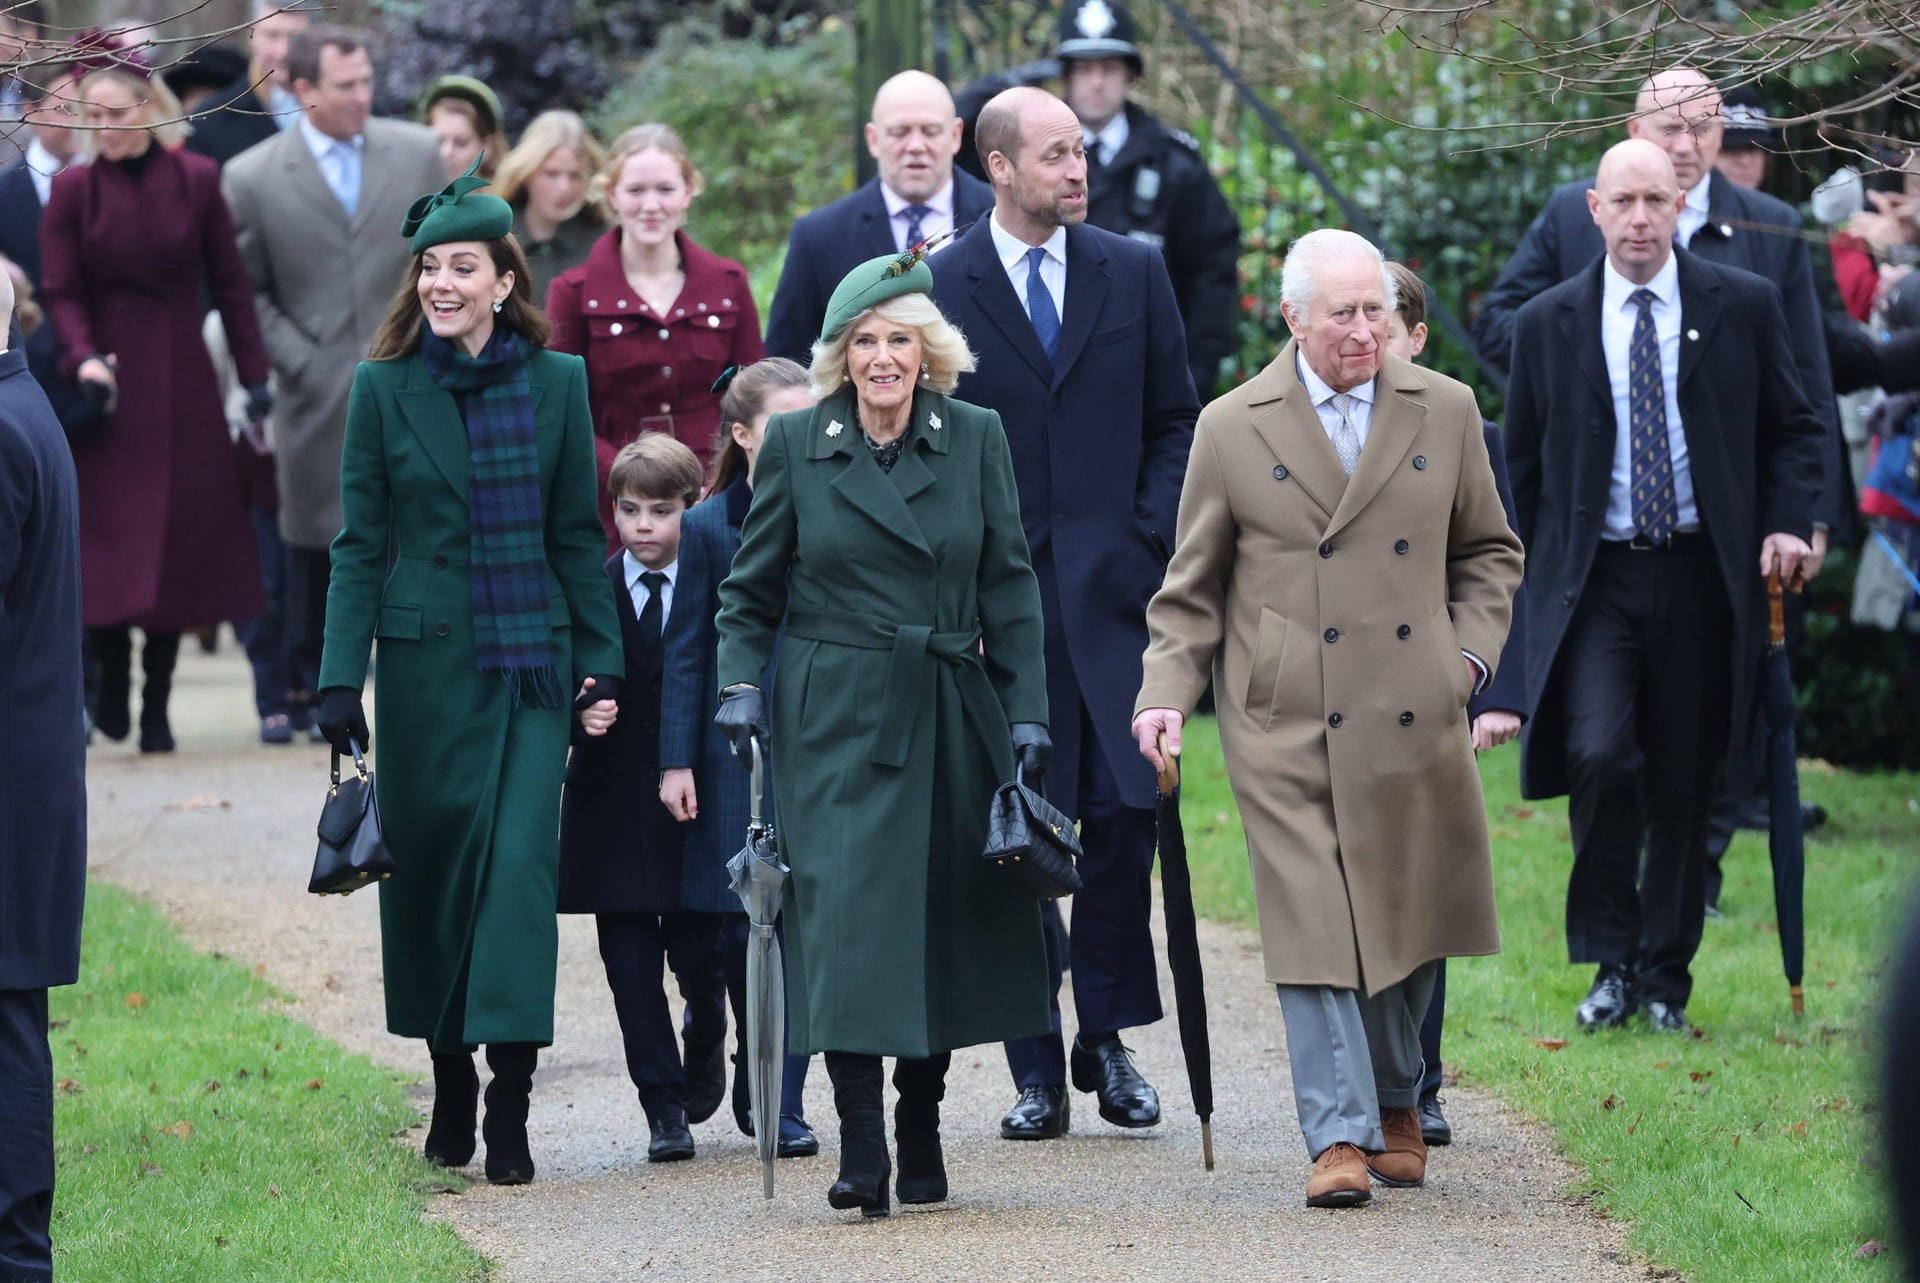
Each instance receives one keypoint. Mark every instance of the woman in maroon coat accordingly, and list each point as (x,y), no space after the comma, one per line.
(656,317)
(129,243)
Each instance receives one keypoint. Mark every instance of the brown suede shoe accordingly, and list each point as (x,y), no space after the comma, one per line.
(1339,1178)
(1403,1163)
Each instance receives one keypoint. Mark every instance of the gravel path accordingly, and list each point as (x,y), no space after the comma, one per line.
(220,835)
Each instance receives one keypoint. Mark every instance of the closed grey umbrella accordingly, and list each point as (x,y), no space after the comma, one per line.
(760,880)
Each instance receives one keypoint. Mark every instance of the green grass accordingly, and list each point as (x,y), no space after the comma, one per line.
(203,1136)
(1745,1154)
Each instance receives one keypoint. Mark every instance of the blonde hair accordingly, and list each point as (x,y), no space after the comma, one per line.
(942,346)
(166,120)
(645,138)
(544,135)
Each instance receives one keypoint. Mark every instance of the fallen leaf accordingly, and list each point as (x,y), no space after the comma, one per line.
(219,1240)
(1611,1102)
(1699,1075)
(136,1000)
(316,1084)
(1663,1064)
(58,1024)
(244,1073)
(273,1191)
(1550,1044)
(149,1169)
(182,1129)
(1798,1129)
(89,1149)
(1636,1124)
(1736,1140)
(333,986)
(213,1084)
(200,802)
(1523,813)
(260,970)
(1870,1249)
(69,1086)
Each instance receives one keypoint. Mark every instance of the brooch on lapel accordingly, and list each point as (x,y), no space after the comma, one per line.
(933,421)
(835,428)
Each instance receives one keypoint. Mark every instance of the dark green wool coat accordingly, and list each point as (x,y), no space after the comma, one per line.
(469,788)
(890,723)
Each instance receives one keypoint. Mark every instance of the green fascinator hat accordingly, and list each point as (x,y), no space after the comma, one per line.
(873,283)
(458,212)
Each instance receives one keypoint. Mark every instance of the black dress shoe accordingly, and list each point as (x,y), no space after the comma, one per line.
(796,1139)
(672,1142)
(1812,816)
(1610,1001)
(1667,1017)
(706,1079)
(1041,1113)
(1434,1127)
(1126,1099)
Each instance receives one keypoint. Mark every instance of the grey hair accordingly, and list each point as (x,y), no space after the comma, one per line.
(1299,274)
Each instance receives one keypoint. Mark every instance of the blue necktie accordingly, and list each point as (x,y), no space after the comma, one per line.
(1046,321)
(915,215)
(346,183)
(1656,511)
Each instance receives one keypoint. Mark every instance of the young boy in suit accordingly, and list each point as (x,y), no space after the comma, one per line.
(620,848)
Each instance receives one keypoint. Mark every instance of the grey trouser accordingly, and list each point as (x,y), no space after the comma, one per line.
(1353,1056)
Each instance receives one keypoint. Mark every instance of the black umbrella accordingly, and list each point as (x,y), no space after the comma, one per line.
(1183,950)
(1786,842)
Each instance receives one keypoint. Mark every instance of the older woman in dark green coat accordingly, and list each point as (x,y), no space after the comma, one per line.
(884,547)
(471,549)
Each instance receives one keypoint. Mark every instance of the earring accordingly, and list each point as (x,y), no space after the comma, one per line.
(496,305)
(926,371)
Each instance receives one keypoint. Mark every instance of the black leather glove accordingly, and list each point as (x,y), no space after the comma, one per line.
(605,686)
(1032,750)
(259,401)
(743,713)
(342,720)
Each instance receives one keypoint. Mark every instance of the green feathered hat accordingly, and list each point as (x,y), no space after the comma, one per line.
(458,213)
(873,283)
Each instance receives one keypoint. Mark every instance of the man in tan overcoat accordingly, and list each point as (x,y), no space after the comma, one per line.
(1344,571)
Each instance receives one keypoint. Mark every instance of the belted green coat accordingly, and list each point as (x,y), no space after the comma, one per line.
(911,637)
(468,787)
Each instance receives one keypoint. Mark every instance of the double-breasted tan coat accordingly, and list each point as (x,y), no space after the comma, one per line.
(1331,612)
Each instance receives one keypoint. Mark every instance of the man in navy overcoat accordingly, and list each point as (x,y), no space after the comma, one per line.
(43,794)
(1082,352)
(918,194)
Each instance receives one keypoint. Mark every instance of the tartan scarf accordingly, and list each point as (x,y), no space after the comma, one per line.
(507,536)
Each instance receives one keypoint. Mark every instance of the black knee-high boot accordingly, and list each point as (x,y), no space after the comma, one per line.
(864,1169)
(113,652)
(158,654)
(509,1160)
(922,1085)
(456,1109)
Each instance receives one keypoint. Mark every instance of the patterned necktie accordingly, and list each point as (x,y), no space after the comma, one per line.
(1346,437)
(1046,321)
(916,214)
(346,177)
(1655,509)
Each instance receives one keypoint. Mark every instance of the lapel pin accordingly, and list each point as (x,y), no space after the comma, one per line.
(933,421)
(1693,335)
(835,428)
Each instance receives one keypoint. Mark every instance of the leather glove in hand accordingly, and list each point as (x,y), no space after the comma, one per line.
(259,401)
(1032,750)
(342,719)
(605,686)
(743,712)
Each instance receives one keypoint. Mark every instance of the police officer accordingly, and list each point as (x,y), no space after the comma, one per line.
(1149,182)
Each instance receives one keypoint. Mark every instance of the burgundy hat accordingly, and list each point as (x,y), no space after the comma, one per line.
(97,49)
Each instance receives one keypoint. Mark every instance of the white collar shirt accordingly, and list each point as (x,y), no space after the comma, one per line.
(1693,215)
(1053,268)
(937,221)
(1359,410)
(42,166)
(1617,316)
(1105,144)
(633,568)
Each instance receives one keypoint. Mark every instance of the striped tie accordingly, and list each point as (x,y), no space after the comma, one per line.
(1655,509)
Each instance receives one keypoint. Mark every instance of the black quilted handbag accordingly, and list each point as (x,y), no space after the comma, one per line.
(1033,841)
(352,852)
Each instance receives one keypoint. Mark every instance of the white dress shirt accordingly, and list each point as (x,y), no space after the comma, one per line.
(1617,316)
(1106,144)
(1693,215)
(42,166)
(937,220)
(632,567)
(1053,268)
(1359,412)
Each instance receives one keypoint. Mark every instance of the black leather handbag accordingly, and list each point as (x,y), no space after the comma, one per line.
(352,852)
(1033,841)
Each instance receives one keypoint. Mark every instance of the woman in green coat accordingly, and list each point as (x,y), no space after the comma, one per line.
(884,549)
(471,549)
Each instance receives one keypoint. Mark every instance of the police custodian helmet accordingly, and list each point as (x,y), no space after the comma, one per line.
(1097,29)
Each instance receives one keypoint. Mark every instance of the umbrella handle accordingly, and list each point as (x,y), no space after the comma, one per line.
(755,779)
(1169,777)
(1776,604)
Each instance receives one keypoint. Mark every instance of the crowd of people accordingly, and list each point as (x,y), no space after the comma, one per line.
(959,516)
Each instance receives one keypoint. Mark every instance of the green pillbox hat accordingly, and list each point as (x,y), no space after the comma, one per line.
(873,283)
(457,213)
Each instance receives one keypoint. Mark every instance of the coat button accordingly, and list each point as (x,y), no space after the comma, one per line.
(1335,720)
(1280,472)
(442,630)
(439,563)
(1332,634)
(665,408)
(1403,632)
(666,371)
(1419,463)
(1326,550)
(614,329)
(622,303)
(593,302)
(1400,546)
(666,334)
(1406,719)
(1566,599)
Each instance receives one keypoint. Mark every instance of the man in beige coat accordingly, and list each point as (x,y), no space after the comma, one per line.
(315,207)
(1344,570)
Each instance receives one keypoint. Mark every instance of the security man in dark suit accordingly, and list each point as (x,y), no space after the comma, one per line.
(1149,183)
(43,796)
(918,194)
(1664,460)
(1082,353)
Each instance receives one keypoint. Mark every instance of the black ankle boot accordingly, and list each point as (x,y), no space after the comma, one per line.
(456,1107)
(509,1160)
(113,652)
(864,1170)
(922,1085)
(158,654)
